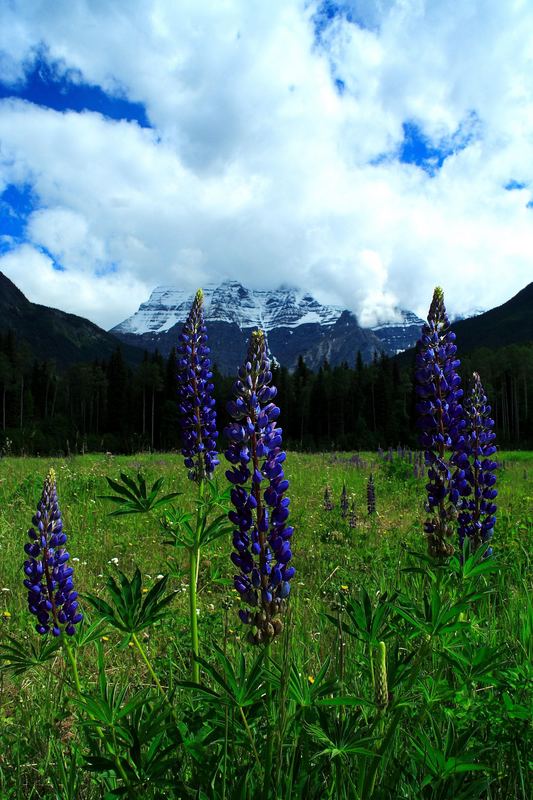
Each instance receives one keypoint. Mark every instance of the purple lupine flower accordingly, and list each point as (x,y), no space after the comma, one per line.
(262,536)
(474,477)
(371,495)
(344,501)
(352,518)
(196,405)
(440,421)
(51,595)
(328,504)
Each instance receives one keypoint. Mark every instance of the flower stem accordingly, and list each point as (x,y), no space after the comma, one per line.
(267,778)
(194,564)
(146,660)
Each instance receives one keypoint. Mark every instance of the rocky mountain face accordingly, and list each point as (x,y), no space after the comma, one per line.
(296,324)
(399,335)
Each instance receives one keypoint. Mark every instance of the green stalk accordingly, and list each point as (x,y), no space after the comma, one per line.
(73,664)
(194,564)
(146,660)
(267,777)
(369,778)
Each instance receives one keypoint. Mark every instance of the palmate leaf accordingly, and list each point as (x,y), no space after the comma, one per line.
(18,657)
(133,498)
(237,687)
(130,611)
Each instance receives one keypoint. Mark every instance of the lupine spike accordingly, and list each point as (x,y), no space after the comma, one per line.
(328,503)
(352,518)
(371,495)
(196,404)
(381,687)
(262,536)
(51,595)
(440,421)
(344,501)
(474,477)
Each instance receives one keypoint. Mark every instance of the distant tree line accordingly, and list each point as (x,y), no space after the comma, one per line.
(110,406)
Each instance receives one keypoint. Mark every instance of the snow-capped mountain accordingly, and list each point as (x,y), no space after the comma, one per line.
(401,334)
(232,303)
(296,324)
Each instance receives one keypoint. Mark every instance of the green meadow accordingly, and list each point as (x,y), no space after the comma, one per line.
(301,720)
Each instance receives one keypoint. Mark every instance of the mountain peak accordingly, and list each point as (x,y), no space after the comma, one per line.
(231,302)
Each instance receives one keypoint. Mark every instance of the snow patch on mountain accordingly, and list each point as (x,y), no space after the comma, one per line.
(403,319)
(230,302)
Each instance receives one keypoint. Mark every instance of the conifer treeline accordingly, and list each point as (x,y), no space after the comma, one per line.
(110,406)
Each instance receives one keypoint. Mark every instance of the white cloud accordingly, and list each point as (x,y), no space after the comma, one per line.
(258,169)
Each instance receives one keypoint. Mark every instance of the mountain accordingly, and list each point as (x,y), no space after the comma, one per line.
(296,324)
(401,334)
(510,323)
(55,335)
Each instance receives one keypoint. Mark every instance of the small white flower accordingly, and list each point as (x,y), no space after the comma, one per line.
(197,612)
(5,589)
(75,559)
(159,577)
(113,561)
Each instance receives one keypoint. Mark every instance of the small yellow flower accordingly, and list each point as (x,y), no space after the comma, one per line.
(6,614)
(344,588)
(145,591)
(311,679)
(105,638)
(131,644)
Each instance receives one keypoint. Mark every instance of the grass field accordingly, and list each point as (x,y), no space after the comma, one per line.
(458,722)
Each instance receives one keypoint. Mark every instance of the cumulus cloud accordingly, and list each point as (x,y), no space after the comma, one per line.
(273,155)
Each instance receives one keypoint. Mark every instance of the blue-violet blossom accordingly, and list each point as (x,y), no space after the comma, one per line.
(261,537)
(51,595)
(440,421)
(475,477)
(196,404)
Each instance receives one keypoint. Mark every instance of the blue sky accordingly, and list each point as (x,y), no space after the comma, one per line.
(365,151)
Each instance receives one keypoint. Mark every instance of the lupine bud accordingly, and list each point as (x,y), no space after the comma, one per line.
(196,404)
(262,535)
(381,688)
(344,501)
(474,477)
(371,495)
(51,595)
(440,422)
(328,504)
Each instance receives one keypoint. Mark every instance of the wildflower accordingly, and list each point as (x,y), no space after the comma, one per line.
(196,405)
(6,614)
(344,501)
(51,595)
(474,478)
(352,518)
(440,421)
(261,537)
(311,679)
(371,495)
(328,505)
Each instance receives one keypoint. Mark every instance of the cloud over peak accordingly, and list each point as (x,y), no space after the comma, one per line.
(361,150)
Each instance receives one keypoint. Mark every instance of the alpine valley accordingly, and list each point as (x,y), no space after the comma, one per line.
(296,325)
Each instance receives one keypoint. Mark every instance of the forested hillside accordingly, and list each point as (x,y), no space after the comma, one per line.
(109,405)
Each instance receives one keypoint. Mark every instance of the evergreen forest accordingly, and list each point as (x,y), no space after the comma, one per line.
(111,406)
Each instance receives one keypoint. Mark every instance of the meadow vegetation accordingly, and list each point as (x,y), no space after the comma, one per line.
(441,710)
